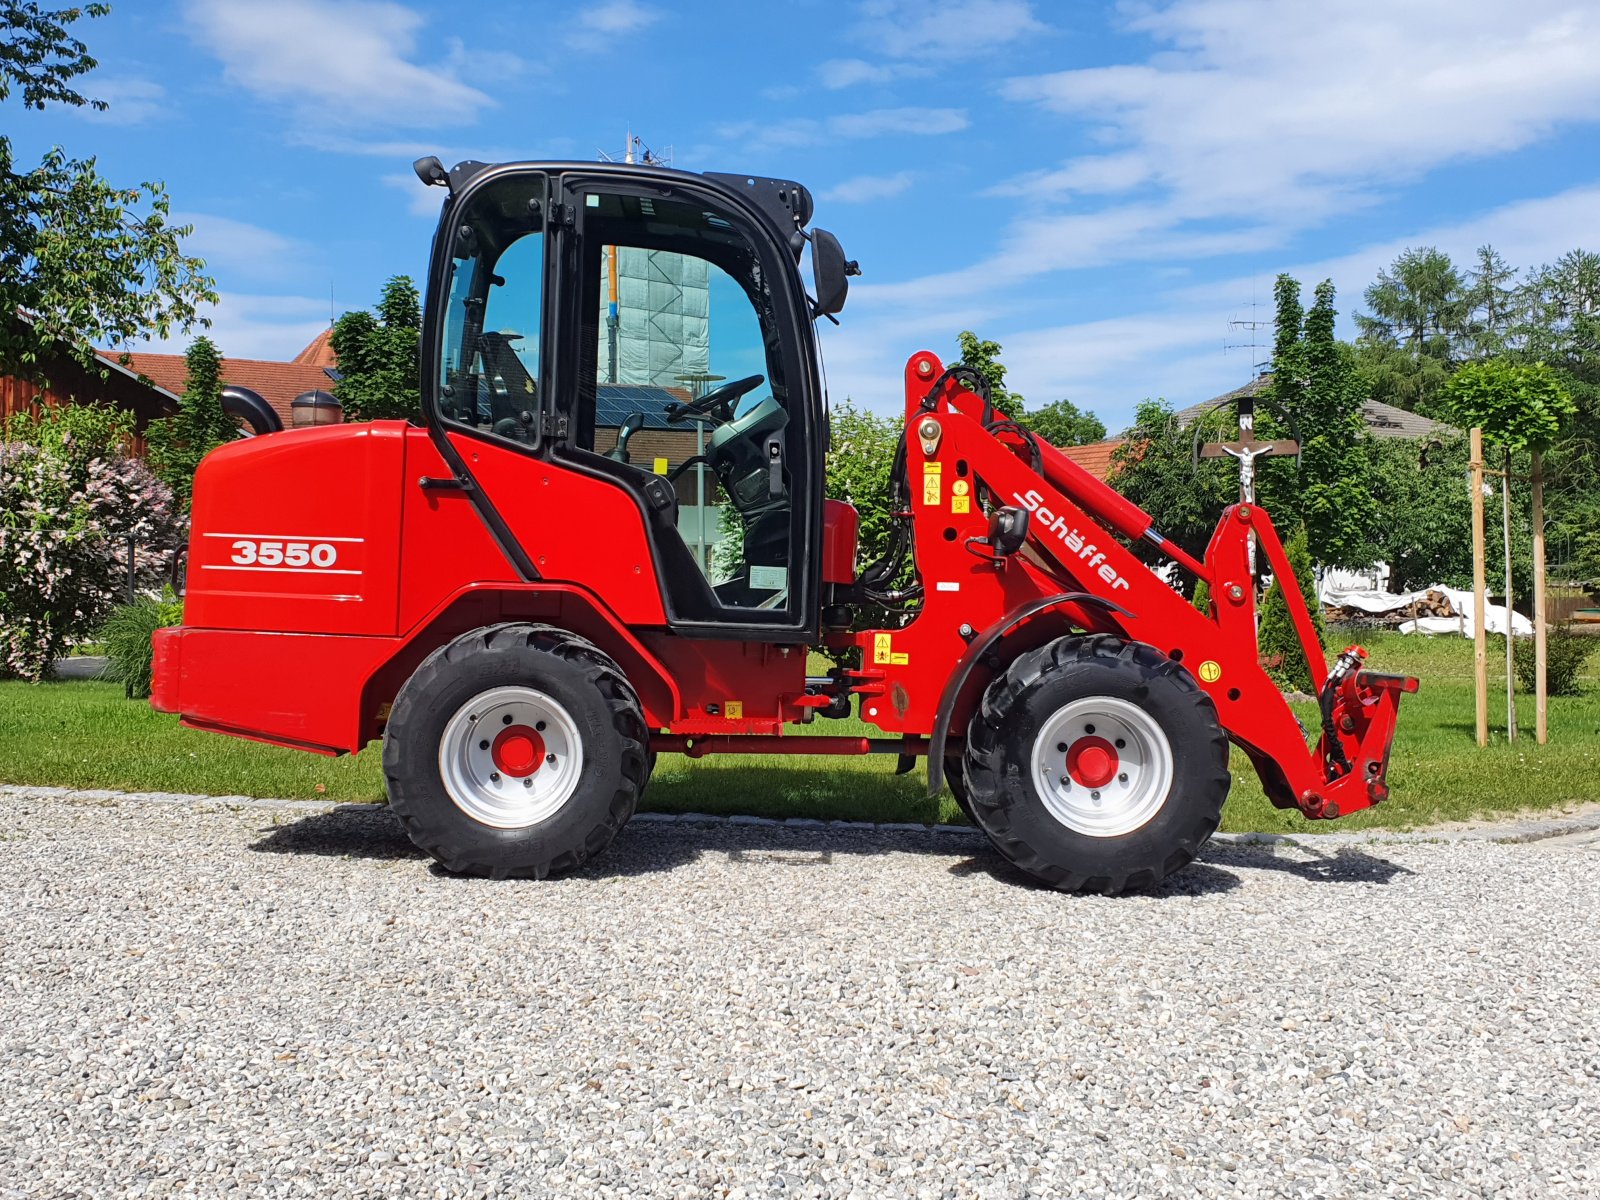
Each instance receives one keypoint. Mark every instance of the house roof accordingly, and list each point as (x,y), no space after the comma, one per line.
(1096,457)
(278,383)
(1382,420)
(319,353)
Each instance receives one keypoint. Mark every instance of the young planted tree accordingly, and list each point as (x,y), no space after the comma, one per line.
(83,262)
(179,442)
(1518,406)
(378,372)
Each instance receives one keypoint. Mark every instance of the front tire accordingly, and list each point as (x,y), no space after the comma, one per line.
(1096,764)
(516,750)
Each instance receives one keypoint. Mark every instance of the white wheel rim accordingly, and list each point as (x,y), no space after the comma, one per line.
(510,757)
(1102,766)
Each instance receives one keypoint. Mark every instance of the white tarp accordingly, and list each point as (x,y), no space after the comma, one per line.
(1370,601)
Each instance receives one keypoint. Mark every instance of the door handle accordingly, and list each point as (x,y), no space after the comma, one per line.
(774,466)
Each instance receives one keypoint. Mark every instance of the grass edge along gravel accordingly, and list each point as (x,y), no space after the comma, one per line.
(84,734)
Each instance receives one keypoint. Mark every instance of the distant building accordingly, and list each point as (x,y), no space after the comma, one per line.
(148,384)
(1382,420)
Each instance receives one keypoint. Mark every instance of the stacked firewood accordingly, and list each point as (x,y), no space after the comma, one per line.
(1431,604)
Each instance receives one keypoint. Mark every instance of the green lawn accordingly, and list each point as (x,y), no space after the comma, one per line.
(84,734)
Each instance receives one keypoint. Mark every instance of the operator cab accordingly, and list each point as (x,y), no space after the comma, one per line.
(649,328)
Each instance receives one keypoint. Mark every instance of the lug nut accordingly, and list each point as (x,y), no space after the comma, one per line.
(494,776)
(1123,777)
(550,758)
(506,720)
(528,782)
(1095,796)
(1061,747)
(539,725)
(484,745)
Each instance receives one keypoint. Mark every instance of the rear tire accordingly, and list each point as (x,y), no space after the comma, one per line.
(516,750)
(1096,764)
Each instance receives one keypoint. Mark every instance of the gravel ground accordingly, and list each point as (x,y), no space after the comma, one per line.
(265,1001)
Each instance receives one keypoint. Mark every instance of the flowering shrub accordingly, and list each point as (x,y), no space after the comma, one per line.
(71,502)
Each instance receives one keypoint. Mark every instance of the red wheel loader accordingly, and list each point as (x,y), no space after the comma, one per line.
(605,537)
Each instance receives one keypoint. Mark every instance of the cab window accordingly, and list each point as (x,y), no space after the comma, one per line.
(490,351)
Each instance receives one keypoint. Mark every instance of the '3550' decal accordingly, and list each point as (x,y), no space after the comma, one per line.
(299,555)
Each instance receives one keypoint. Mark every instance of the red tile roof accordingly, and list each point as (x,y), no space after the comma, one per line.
(278,383)
(320,352)
(1095,458)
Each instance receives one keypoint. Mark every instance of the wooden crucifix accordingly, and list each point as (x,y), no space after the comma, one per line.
(1247,449)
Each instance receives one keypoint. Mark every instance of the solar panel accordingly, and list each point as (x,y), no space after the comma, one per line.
(615,402)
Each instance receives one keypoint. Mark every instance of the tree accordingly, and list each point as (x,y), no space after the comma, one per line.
(1314,385)
(1063,424)
(1517,405)
(1418,301)
(1276,638)
(861,455)
(84,262)
(983,356)
(179,442)
(378,373)
(1421,312)
(1492,302)
(1155,468)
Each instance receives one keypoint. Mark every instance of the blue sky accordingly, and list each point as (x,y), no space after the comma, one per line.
(1099,187)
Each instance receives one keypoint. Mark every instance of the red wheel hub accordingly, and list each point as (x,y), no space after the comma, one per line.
(518,751)
(1092,762)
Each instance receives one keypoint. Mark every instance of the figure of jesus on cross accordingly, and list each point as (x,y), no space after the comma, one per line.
(1247,450)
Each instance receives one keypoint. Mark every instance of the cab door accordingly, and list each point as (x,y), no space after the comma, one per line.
(686,377)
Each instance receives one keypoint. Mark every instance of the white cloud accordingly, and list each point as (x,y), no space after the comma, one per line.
(1261,112)
(865,188)
(242,249)
(947,29)
(913,38)
(254,326)
(421,200)
(1174,345)
(130,101)
(600,25)
(340,64)
(807,131)
(847,72)
(617,16)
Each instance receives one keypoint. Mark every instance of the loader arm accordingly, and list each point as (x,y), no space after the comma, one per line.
(1076,565)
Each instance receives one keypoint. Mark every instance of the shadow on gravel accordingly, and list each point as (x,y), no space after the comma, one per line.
(644,848)
(1344,865)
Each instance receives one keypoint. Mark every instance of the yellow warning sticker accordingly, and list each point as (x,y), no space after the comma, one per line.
(660,467)
(882,648)
(1210,671)
(932,493)
(960,504)
(900,660)
(733,709)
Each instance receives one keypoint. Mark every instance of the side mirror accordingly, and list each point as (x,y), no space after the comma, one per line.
(829,273)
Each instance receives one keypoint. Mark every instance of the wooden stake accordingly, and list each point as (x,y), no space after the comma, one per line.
(1541,628)
(1511,677)
(1480,637)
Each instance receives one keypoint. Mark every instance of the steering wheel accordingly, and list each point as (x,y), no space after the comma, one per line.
(716,404)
